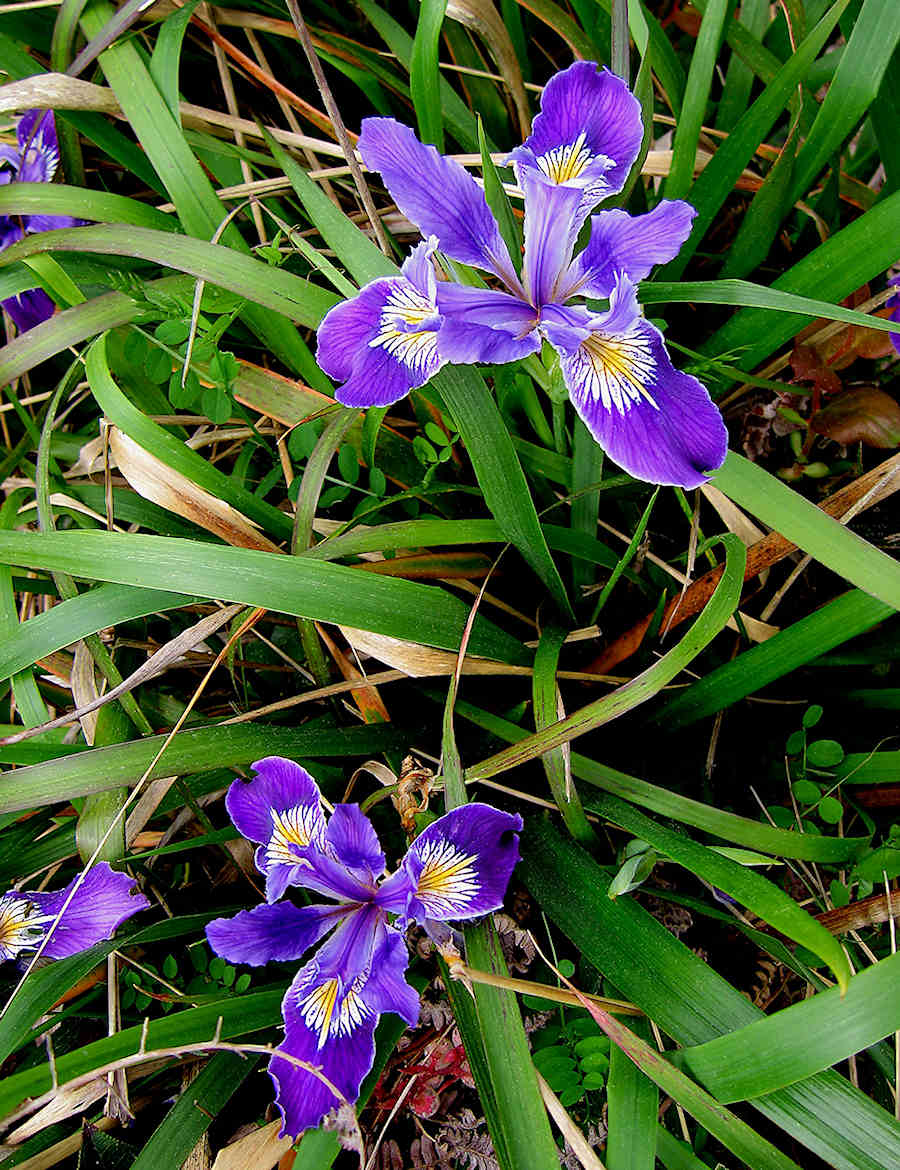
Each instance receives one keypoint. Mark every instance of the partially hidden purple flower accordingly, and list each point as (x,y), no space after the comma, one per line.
(103,900)
(893,303)
(457,868)
(657,423)
(33,160)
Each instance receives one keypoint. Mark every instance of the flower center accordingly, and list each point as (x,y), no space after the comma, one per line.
(618,369)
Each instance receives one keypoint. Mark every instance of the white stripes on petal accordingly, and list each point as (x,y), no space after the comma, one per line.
(293,826)
(614,369)
(328,1013)
(404,307)
(448,881)
(563,164)
(21,925)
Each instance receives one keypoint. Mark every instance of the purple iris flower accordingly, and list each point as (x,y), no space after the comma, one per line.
(103,900)
(893,303)
(457,868)
(657,423)
(33,160)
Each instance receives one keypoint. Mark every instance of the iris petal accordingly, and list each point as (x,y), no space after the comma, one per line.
(103,900)
(268,934)
(551,228)
(484,325)
(36,134)
(29,308)
(587,134)
(437,195)
(656,422)
(459,867)
(632,244)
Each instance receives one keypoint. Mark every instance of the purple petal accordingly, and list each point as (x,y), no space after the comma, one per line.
(50,223)
(587,134)
(383,342)
(386,989)
(632,244)
(354,842)
(484,325)
(437,195)
(280,809)
(459,867)
(38,145)
(269,934)
(657,423)
(551,227)
(103,900)
(29,308)
(418,268)
(331,1027)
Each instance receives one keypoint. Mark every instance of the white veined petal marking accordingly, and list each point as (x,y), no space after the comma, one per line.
(292,826)
(405,307)
(449,880)
(615,368)
(328,1013)
(562,164)
(21,926)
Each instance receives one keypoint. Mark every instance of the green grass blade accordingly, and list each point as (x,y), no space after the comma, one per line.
(696,96)
(748,888)
(190,1117)
(268,287)
(225,746)
(803,1039)
(424,75)
(875,36)
(754,16)
(626,697)
(832,543)
(293,585)
(632,1102)
(59,199)
(822,630)
(733,1133)
(165,61)
(692,1003)
(499,472)
(726,825)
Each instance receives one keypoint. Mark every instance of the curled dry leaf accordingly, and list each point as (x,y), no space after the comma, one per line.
(863,414)
(156,481)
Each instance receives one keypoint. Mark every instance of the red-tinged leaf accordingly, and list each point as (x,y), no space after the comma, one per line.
(863,414)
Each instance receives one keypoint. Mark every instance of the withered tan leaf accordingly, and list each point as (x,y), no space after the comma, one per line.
(56,91)
(156,481)
(261,1149)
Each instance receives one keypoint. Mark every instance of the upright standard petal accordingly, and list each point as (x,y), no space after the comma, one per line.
(587,134)
(383,342)
(36,134)
(279,809)
(484,325)
(330,1013)
(552,221)
(657,423)
(103,900)
(276,933)
(459,867)
(354,842)
(632,244)
(29,308)
(437,195)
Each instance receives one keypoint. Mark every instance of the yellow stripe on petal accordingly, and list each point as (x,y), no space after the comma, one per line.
(292,826)
(449,880)
(562,164)
(21,926)
(406,306)
(318,1008)
(617,369)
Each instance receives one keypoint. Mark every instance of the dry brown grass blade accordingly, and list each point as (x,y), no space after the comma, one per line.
(483,18)
(56,91)
(260,1150)
(567,1127)
(156,481)
(872,487)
